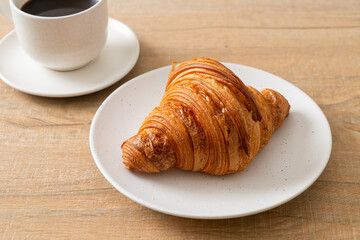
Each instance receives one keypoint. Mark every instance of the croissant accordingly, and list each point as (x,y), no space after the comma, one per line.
(207,121)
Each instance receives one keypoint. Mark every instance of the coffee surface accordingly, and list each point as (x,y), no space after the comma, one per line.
(56,8)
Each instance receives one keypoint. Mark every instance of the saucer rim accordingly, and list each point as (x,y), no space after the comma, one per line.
(117,77)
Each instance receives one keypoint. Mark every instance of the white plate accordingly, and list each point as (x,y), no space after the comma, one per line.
(295,157)
(117,58)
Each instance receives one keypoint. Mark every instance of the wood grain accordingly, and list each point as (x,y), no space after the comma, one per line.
(51,189)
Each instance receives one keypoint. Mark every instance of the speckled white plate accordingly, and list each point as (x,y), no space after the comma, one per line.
(295,157)
(117,58)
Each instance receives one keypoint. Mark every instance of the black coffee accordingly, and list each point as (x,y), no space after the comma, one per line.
(56,8)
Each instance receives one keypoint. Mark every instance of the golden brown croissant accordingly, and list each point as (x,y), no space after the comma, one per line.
(207,121)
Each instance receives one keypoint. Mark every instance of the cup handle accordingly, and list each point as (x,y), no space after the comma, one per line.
(5,9)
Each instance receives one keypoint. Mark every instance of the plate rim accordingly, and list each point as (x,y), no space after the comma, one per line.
(117,77)
(197,216)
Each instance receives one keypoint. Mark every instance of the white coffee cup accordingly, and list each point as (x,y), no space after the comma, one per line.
(62,43)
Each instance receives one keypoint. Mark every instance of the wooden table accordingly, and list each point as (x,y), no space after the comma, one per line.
(51,189)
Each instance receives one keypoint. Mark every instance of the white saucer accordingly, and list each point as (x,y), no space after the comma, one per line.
(117,58)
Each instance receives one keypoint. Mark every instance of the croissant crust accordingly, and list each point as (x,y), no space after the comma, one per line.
(207,121)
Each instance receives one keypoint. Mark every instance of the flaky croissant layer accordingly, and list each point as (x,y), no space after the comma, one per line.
(207,121)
